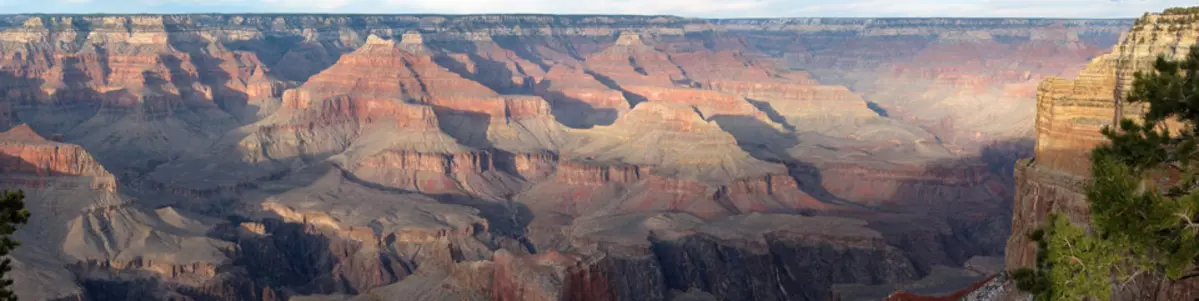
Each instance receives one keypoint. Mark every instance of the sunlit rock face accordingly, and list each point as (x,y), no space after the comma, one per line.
(536,157)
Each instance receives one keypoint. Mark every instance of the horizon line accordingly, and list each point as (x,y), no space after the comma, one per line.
(559,14)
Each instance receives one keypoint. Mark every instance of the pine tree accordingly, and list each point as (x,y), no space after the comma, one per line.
(1144,197)
(12,214)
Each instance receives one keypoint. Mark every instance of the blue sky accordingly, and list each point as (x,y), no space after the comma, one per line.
(689,8)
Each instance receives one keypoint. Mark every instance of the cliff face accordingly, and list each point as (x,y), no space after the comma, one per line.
(25,152)
(1070,114)
(520,157)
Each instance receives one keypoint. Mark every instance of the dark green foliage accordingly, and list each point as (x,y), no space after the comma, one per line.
(1068,254)
(12,214)
(1027,280)
(1143,196)
(1134,200)
(1182,10)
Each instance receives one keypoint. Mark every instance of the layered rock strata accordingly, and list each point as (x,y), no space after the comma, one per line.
(493,156)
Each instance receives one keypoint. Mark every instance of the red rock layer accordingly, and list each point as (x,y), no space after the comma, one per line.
(595,174)
(363,108)
(23,151)
(447,164)
(125,65)
(381,69)
(380,76)
(495,107)
(48,160)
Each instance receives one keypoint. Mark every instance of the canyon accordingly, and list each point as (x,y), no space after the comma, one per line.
(542,157)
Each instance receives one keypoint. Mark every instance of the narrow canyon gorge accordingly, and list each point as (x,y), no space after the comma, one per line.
(547,157)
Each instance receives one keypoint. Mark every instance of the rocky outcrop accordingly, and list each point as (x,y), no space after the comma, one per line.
(1071,113)
(1069,116)
(534,166)
(23,151)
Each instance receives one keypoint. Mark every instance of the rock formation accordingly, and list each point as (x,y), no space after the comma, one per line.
(1070,114)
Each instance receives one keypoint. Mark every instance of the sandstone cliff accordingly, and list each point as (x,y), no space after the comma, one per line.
(1070,114)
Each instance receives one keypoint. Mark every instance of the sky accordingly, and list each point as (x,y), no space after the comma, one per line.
(685,8)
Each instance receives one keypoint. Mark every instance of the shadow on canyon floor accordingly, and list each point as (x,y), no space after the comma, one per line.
(976,211)
(877,108)
(491,73)
(292,58)
(632,98)
(272,49)
(943,212)
(764,142)
(771,113)
(521,49)
(572,112)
